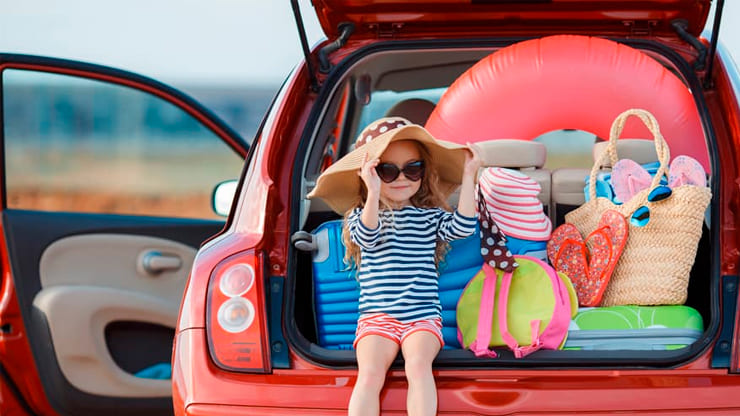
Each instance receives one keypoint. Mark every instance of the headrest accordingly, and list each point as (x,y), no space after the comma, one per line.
(416,110)
(512,153)
(641,151)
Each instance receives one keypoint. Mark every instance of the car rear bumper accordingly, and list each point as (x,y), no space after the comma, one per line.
(210,410)
(200,388)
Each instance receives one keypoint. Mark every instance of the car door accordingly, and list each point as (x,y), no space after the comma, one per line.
(106,196)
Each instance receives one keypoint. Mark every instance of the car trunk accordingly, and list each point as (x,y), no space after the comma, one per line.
(428,65)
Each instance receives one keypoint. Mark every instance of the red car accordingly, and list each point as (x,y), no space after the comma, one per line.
(88,298)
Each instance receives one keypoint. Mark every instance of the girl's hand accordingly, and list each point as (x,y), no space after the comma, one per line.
(473,161)
(369,175)
(372,181)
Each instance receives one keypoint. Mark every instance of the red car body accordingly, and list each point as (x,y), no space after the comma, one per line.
(260,224)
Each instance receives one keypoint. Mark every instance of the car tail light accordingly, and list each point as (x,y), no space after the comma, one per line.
(236,321)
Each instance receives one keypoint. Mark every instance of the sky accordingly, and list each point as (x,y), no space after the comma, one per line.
(174,41)
(245,42)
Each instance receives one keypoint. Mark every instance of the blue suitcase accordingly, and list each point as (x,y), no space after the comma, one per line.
(336,290)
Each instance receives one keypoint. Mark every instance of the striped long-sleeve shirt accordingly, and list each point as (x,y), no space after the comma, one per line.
(397,273)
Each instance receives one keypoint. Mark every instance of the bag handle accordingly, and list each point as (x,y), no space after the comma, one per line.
(485,315)
(661,147)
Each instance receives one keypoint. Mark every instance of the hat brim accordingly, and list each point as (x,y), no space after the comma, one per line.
(339,184)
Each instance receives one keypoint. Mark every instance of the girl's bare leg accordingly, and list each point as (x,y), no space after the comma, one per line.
(374,356)
(419,350)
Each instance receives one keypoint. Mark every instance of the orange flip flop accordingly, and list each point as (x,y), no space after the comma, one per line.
(606,245)
(568,254)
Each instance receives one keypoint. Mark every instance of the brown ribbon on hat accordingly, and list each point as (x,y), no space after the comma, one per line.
(375,129)
(492,240)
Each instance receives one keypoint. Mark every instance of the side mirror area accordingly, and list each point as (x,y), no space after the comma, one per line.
(223,197)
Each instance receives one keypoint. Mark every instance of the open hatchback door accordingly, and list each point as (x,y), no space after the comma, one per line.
(461,18)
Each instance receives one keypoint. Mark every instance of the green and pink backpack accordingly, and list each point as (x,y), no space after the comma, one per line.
(515,301)
(526,309)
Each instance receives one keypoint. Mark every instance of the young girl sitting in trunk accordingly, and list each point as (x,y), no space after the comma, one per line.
(393,189)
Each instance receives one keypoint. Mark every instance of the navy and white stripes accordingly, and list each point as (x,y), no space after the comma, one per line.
(397,273)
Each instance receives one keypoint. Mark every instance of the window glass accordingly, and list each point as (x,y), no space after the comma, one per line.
(565,148)
(568,149)
(80,145)
(382,101)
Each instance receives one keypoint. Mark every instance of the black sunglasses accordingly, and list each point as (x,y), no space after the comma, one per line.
(388,172)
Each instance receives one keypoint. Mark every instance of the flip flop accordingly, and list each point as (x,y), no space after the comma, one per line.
(568,254)
(685,170)
(606,245)
(599,248)
(629,178)
(590,264)
(572,260)
(559,236)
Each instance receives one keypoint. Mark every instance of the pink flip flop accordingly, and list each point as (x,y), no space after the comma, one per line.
(685,170)
(629,178)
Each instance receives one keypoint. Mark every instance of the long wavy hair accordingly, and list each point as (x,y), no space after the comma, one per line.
(429,195)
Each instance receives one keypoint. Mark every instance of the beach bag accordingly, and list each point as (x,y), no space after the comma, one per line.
(665,226)
(526,309)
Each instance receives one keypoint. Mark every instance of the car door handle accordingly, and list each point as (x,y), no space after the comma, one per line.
(154,262)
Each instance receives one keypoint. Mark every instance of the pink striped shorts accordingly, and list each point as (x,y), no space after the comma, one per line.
(386,326)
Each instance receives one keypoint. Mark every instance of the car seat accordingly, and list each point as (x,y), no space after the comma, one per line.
(568,183)
(526,156)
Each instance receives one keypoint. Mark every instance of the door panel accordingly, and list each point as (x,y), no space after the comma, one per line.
(118,261)
(82,274)
(77,318)
(91,281)
(106,196)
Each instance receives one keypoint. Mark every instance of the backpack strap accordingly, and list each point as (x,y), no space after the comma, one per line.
(503,299)
(559,314)
(485,316)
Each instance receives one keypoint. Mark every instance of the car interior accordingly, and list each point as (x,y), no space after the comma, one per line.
(409,83)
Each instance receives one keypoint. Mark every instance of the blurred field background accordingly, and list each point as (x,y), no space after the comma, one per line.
(86,146)
(229,55)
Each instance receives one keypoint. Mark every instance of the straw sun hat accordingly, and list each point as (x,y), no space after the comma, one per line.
(339,185)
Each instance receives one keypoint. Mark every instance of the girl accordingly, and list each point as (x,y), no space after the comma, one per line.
(396,232)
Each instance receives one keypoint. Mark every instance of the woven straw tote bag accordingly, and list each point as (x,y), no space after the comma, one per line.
(657,258)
